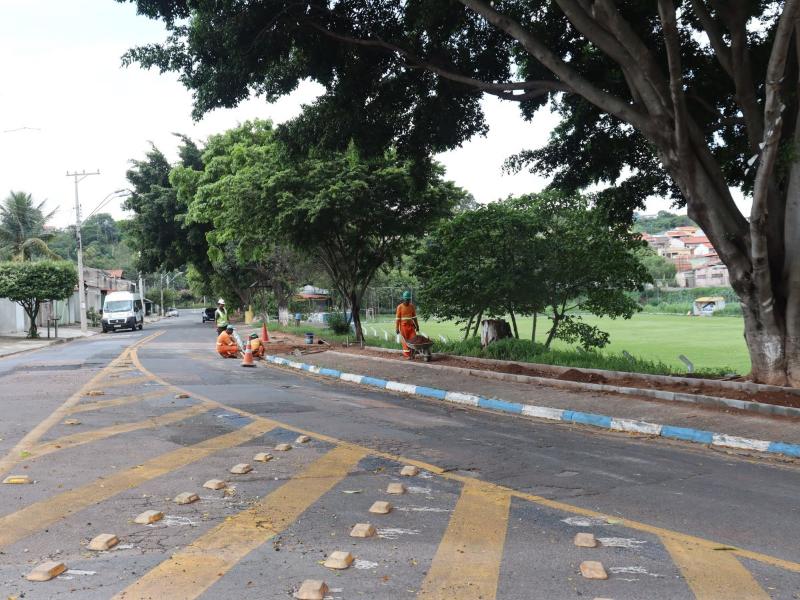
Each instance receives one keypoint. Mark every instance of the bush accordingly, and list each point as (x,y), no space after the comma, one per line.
(339,324)
(524,351)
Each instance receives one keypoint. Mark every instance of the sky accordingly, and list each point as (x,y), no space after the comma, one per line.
(67,104)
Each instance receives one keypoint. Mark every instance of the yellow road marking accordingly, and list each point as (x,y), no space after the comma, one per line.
(126,381)
(555,504)
(190,572)
(37,516)
(713,574)
(87,406)
(85,437)
(35,434)
(467,562)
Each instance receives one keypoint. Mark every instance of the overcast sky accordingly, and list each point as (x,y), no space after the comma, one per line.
(67,104)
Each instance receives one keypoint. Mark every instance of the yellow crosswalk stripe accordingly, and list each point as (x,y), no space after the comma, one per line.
(85,437)
(713,574)
(141,379)
(101,404)
(37,516)
(554,504)
(188,573)
(35,434)
(467,562)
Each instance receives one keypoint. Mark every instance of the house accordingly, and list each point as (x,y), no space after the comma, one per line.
(707,305)
(97,283)
(712,275)
(319,300)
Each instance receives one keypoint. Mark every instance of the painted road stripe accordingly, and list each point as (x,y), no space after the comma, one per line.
(570,416)
(467,562)
(780,563)
(542,412)
(127,381)
(87,406)
(35,434)
(19,525)
(431,392)
(459,398)
(86,437)
(380,383)
(688,435)
(190,572)
(405,388)
(351,377)
(732,441)
(713,574)
(783,448)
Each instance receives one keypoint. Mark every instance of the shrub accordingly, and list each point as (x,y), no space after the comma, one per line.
(339,324)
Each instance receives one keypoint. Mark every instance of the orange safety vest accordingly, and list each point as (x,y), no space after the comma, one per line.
(404,313)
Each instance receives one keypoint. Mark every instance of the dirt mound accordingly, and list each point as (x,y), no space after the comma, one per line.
(418,339)
(581,376)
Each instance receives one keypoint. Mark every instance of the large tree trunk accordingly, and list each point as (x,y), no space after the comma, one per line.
(355,313)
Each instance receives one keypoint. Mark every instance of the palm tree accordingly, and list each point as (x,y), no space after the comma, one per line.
(22,228)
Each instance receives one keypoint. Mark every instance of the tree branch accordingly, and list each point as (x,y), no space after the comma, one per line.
(709,24)
(578,84)
(503,90)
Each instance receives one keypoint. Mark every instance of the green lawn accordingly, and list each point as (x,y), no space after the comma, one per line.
(709,342)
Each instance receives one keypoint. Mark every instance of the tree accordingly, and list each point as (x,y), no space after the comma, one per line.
(356,216)
(660,269)
(158,231)
(232,194)
(481,263)
(31,283)
(545,252)
(663,221)
(22,228)
(686,97)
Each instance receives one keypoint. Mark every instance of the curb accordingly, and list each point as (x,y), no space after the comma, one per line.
(772,410)
(697,436)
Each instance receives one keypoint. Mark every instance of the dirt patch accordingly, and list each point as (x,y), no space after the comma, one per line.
(582,376)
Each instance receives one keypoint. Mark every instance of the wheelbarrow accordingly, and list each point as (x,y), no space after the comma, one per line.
(423,348)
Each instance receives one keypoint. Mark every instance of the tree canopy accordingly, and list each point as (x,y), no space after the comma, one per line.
(31,283)
(686,98)
(22,228)
(353,215)
(542,253)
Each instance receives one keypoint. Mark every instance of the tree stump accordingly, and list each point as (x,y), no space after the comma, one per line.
(493,330)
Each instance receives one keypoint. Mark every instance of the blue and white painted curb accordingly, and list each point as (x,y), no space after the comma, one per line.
(698,436)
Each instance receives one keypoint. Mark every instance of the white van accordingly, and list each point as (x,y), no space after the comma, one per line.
(122,310)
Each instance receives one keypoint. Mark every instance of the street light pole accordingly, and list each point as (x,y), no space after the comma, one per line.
(81,291)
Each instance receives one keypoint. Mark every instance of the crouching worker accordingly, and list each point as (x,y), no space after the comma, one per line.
(256,346)
(226,345)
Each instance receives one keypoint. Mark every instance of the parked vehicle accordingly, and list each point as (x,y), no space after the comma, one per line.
(172,312)
(122,310)
(208,314)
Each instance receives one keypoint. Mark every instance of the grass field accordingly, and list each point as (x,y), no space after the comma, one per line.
(709,342)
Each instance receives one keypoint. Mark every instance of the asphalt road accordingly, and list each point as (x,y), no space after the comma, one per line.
(492,513)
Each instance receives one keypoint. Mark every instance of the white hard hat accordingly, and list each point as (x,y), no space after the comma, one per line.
(220,301)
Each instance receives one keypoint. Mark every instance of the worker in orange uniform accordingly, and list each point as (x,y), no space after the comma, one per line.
(406,323)
(226,344)
(256,346)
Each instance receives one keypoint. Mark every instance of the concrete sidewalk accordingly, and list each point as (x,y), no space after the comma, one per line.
(676,414)
(15,343)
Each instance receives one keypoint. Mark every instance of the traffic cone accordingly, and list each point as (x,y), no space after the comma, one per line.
(247,360)
(264,332)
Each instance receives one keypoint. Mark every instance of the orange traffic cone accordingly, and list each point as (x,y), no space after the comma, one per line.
(264,332)
(247,360)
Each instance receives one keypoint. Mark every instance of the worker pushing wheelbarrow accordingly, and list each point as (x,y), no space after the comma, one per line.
(407,327)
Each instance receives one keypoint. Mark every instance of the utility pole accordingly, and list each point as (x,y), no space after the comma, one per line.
(141,292)
(81,291)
